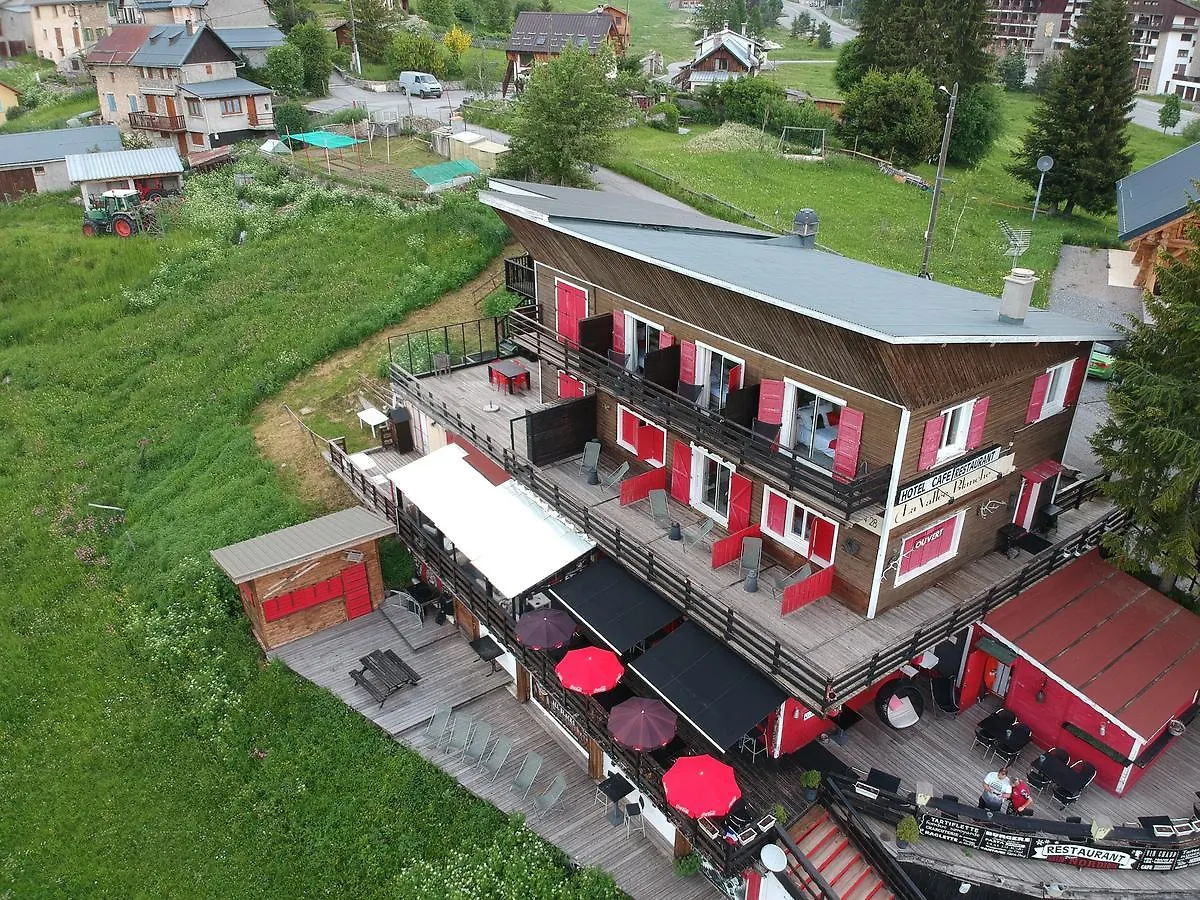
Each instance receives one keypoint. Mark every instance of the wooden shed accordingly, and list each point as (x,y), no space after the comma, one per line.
(299,580)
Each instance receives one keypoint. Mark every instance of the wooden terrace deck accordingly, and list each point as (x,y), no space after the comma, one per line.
(451,674)
(938,751)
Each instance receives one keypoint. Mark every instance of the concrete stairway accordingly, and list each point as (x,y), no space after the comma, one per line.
(836,858)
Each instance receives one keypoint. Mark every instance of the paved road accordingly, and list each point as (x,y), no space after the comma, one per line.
(342,94)
(839,32)
(1145,112)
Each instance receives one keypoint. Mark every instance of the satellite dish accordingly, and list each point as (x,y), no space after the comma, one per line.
(1045,163)
(773,858)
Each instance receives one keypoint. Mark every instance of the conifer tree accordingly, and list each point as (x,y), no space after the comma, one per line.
(1081,120)
(942,39)
(1151,441)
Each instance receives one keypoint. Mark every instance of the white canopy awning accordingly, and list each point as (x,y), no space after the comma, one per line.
(505,531)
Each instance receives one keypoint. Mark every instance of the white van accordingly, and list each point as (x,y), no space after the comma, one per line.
(421,84)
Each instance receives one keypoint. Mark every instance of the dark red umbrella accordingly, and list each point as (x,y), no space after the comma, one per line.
(590,670)
(701,786)
(642,724)
(545,629)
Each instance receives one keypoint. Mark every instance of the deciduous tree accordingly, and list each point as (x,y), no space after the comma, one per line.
(456,41)
(1011,69)
(1082,118)
(1169,114)
(285,69)
(498,15)
(375,23)
(312,40)
(892,116)
(978,121)
(416,53)
(437,12)
(1151,441)
(564,122)
(824,35)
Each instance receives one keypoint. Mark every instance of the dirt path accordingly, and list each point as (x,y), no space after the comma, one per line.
(326,397)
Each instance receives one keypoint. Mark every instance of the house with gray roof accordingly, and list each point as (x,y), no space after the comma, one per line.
(540,36)
(721,56)
(34,162)
(178,85)
(60,32)
(1154,211)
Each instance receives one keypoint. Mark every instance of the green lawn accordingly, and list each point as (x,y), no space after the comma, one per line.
(868,216)
(655,26)
(816,79)
(53,115)
(147,750)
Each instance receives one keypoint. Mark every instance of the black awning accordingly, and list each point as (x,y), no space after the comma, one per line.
(709,684)
(615,606)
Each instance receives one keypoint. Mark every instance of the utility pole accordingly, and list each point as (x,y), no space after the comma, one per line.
(937,181)
(355,62)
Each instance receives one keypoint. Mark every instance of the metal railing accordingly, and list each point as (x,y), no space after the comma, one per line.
(156,122)
(519,276)
(732,441)
(465,343)
(882,861)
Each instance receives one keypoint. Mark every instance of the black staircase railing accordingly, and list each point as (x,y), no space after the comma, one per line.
(885,863)
(519,276)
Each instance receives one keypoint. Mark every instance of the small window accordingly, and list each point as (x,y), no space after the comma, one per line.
(208,70)
(231,106)
(956,425)
(1056,390)
(641,337)
(89,34)
(101,32)
(641,437)
(112,102)
(194,108)
(133,103)
(814,536)
(197,139)
(719,373)
(39,170)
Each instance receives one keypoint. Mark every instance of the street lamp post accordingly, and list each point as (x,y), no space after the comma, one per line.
(937,181)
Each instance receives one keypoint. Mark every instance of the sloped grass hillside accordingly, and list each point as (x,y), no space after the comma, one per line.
(145,749)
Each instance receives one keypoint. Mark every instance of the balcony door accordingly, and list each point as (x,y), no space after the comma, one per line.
(171,111)
(718,374)
(641,338)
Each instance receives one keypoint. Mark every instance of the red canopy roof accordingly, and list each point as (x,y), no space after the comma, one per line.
(1130,650)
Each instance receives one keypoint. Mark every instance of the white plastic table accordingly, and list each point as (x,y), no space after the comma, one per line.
(372,417)
(361,461)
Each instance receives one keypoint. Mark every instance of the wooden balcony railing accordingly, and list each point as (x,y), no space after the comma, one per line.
(155,122)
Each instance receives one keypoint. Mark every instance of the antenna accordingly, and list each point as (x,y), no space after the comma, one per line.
(1018,240)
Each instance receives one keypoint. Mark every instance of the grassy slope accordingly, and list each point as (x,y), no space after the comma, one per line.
(817,79)
(867,216)
(146,753)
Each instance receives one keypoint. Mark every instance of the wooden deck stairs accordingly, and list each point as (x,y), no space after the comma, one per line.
(837,859)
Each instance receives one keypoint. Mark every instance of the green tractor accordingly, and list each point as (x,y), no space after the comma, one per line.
(119,212)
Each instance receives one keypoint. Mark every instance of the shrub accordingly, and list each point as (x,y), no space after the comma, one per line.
(978,122)
(416,53)
(687,866)
(291,118)
(664,116)
(907,830)
(1190,132)
(892,116)
(285,69)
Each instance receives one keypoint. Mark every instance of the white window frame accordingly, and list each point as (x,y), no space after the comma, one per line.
(958,518)
(956,433)
(701,455)
(631,350)
(789,537)
(787,436)
(632,448)
(704,354)
(1060,375)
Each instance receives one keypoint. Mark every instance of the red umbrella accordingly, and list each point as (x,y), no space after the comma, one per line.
(642,724)
(545,629)
(701,786)
(590,670)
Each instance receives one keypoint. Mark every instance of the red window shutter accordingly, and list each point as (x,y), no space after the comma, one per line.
(978,420)
(651,444)
(931,440)
(687,362)
(618,341)
(849,440)
(740,489)
(1038,398)
(665,340)
(1076,382)
(681,472)
(820,545)
(270,609)
(777,507)
(627,427)
(770,401)
(569,387)
(735,377)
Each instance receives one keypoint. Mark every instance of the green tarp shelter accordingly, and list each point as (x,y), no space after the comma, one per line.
(327,140)
(440,173)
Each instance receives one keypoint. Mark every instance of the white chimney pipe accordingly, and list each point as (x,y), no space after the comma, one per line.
(189,26)
(1018,291)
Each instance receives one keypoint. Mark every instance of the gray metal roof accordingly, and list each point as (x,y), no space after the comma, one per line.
(47,146)
(123,164)
(289,546)
(543,32)
(168,45)
(1158,193)
(251,38)
(883,304)
(224,87)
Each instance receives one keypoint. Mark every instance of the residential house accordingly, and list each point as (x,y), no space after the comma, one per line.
(816,480)
(9,97)
(218,13)
(721,56)
(1154,212)
(62,32)
(179,85)
(251,44)
(34,162)
(539,36)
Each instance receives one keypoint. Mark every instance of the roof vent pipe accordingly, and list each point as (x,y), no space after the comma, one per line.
(806,225)
(189,27)
(1018,291)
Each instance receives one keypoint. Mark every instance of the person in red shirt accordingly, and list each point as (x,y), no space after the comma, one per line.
(1021,801)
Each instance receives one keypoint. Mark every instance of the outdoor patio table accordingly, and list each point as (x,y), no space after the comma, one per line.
(1064,777)
(994,727)
(510,372)
(489,651)
(615,787)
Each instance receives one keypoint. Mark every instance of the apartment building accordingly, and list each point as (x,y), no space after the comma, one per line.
(218,13)
(62,32)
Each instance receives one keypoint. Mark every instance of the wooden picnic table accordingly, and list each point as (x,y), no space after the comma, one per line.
(388,674)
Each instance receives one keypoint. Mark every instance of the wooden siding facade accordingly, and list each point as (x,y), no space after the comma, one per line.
(1176,239)
(898,389)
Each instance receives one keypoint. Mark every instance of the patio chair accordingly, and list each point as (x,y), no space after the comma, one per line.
(545,802)
(615,478)
(634,818)
(441,364)
(437,725)
(1088,772)
(460,734)
(782,582)
(499,756)
(659,508)
(984,740)
(942,691)
(591,456)
(751,558)
(693,536)
(1060,754)
(529,769)
(476,750)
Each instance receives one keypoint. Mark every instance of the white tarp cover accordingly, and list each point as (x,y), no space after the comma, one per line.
(506,532)
(274,146)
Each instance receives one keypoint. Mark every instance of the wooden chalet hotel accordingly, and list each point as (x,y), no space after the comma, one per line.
(820,510)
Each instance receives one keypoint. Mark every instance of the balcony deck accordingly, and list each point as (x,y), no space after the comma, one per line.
(830,636)
(938,751)
(453,675)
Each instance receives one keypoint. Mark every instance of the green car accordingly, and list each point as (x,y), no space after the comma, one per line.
(1100,365)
